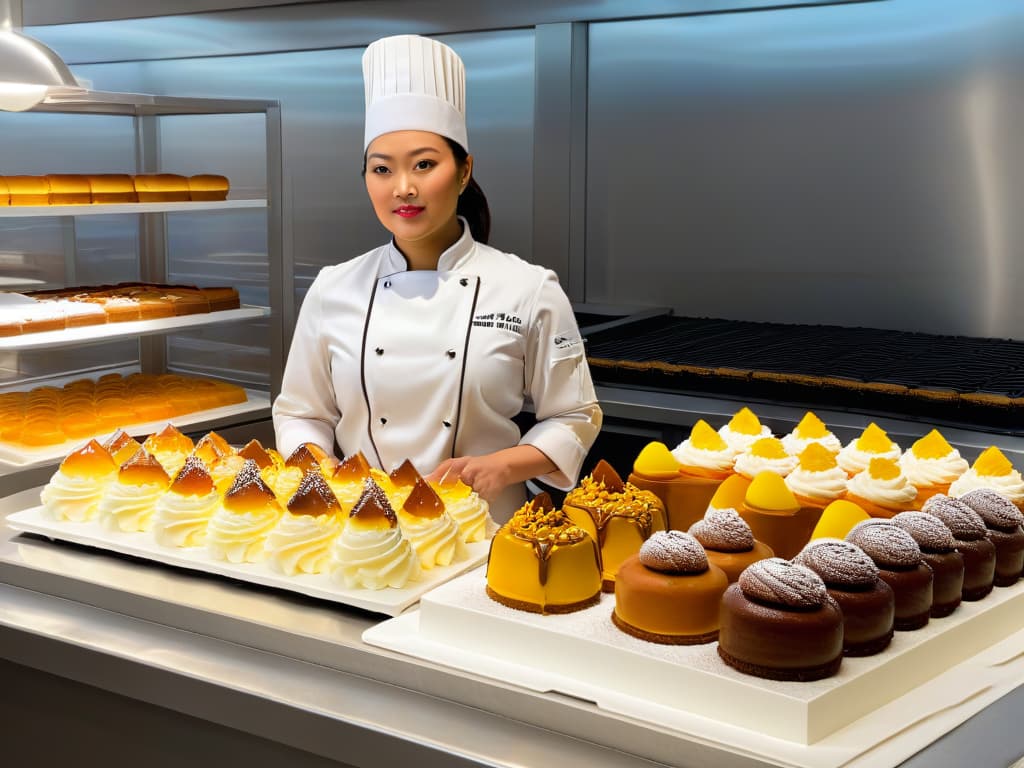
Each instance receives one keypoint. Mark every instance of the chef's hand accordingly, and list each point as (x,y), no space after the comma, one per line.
(492,473)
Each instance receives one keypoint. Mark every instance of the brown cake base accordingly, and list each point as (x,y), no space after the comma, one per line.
(870,647)
(521,605)
(654,637)
(910,623)
(608,586)
(942,611)
(979,567)
(798,675)
(1005,581)
(977,593)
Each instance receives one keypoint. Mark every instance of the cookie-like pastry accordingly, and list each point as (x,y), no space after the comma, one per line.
(901,566)
(938,549)
(971,539)
(729,542)
(1003,520)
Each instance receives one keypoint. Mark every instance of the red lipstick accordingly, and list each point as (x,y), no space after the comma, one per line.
(408,211)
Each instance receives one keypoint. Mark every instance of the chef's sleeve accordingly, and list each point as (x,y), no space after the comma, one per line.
(558,382)
(306,411)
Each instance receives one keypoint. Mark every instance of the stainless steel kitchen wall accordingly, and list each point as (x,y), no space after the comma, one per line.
(853,164)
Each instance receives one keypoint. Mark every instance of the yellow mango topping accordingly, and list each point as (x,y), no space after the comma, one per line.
(992,463)
(745,422)
(883,469)
(656,462)
(768,448)
(838,519)
(703,437)
(817,458)
(730,493)
(811,427)
(768,492)
(874,440)
(932,446)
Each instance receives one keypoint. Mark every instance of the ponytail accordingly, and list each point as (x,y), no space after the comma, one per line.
(472,202)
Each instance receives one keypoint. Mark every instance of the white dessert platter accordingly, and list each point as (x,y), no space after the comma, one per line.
(877,710)
(388,601)
(106,209)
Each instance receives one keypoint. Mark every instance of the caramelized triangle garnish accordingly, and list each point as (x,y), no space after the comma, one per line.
(91,460)
(372,510)
(169,439)
(542,502)
(248,492)
(605,473)
(211,447)
(255,451)
(193,479)
(304,457)
(313,496)
(354,469)
(121,446)
(404,474)
(423,502)
(142,469)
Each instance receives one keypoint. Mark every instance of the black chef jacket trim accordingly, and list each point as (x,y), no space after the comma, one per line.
(362,375)
(465,359)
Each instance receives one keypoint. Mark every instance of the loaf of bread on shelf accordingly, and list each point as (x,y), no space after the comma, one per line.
(161,188)
(69,189)
(28,190)
(221,297)
(112,188)
(208,186)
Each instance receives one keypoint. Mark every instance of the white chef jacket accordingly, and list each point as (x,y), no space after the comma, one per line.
(427,365)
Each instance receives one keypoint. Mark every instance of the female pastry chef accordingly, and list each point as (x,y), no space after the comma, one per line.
(427,347)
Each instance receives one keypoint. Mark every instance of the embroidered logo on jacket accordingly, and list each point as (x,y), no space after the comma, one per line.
(504,321)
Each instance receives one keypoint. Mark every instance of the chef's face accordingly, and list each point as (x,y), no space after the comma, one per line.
(414,183)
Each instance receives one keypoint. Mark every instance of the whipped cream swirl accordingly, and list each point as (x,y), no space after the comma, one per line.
(129,508)
(716,461)
(854,460)
(180,521)
(436,540)
(925,472)
(73,498)
(820,486)
(751,466)
(1010,485)
(301,543)
(239,537)
(472,514)
(373,558)
(891,492)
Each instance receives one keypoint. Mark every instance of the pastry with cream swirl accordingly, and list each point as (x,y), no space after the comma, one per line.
(300,543)
(75,490)
(128,503)
(183,513)
(239,528)
(429,528)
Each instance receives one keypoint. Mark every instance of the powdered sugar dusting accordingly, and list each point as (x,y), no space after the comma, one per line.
(964,522)
(888,545)
(995,509)
(779,581)
(673,552)
(724,531)
(838,563)
(930,533)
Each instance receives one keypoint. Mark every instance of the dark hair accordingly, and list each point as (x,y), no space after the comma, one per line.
(472,202)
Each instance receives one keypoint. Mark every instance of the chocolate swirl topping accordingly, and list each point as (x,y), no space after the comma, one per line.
(779,581)
(995,509)
(673,552)
(839,563)
(930,533)
(964,522)
(724,531)
(887,545)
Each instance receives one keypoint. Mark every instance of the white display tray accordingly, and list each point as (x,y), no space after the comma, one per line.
(893,703)
(24,456)
(105,209)
(107,331)
(387,601)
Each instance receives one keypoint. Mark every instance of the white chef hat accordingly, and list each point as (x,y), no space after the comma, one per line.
(414,84)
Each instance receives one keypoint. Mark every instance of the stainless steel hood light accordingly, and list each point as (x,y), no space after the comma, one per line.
(29,71)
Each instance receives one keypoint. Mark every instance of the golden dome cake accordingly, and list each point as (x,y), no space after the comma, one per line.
(467,508)
(1003,520)
(991,470)
(882,490)
(541,562)
(765,455)
(779,622)
(668,592)
(170,447)
(184,511)
(75,490)
(428,527)
(729,542)
(810,431)
(743,429)
(370,552)
(901,566)
(970,536)
(873,443)
(656,470)
(931,465)
(938,550)
(301,540)
(347,480)
(618,516)
(775,516)
(851,578)
(129,502)
(121,446)
(239,528)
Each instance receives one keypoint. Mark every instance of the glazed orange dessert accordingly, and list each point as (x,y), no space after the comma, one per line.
(541,562)
(211,447)
(669,592)
(240,526)
(773,514)
(121,446)
(184,511)
(75,490)
(428,527)
(371,552)
(729,542)
(931,465)
(347,479)
(882,489)
(400,482)
(128,503)
(619,516)
(170,447)
(300,543)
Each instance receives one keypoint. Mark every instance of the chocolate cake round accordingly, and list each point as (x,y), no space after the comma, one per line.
(970,536)
(669,592)
(779,622)
(900,565)
(1003,520)
(939,552)
(729,542)
(851,578)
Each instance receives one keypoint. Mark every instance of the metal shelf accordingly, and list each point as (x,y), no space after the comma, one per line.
(106,209)
(76,101)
